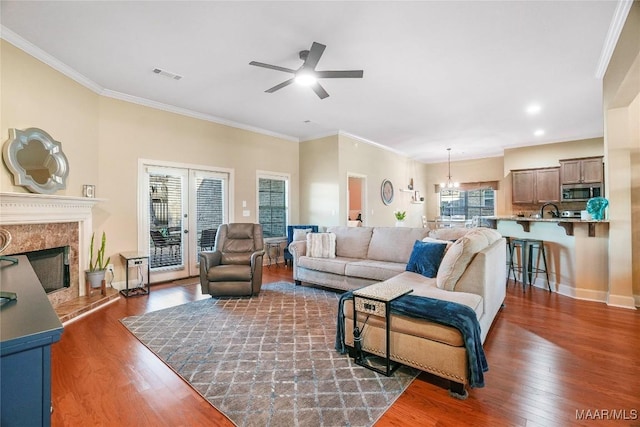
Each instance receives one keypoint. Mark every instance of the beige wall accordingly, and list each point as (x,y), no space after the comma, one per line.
(378,164)
(35,95)
(319,184)
(546,155)
(104,139)
(487,169)
(621,89)
(129,132)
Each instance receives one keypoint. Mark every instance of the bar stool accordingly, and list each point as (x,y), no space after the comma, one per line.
(525,248)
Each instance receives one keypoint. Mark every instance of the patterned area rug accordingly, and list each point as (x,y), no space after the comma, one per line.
(270,360)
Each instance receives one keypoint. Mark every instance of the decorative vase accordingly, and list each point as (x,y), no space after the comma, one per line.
(95,278)
(399,223)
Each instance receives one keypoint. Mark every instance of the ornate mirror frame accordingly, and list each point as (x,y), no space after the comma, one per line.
(51,159)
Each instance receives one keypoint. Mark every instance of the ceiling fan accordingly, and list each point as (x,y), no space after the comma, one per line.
(307,73)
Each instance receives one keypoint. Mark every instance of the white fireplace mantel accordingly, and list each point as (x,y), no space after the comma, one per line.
(28,208)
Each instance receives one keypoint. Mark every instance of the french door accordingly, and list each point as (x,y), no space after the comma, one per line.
(182,210)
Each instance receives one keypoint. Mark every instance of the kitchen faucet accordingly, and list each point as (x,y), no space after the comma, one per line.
(554,214)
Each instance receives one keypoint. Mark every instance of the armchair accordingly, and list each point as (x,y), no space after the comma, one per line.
(287,255)
(234,267)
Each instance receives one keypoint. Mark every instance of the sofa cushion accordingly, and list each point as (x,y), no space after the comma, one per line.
(394,243)
(321,245)
(328,265)
(491,234)
(426,257)
(457,259)
(374,270)
(448,233)
(352,242)
(432,240)
(427,287)
(300,234)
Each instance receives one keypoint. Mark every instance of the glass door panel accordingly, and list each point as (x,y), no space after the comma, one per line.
(210,195)
(167,215)
(179,217)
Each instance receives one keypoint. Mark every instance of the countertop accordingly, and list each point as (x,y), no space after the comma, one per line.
(532,219)
(566,223)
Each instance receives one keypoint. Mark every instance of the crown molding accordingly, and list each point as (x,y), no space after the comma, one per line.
(193,114)
(370,142)
(615,28)
(63,68)
(43,56)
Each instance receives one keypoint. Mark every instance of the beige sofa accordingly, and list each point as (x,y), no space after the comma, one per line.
(472,273)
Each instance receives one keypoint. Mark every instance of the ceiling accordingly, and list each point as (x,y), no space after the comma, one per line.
(436,74)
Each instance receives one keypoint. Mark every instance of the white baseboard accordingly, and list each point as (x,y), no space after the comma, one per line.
(622,301)
(583,294)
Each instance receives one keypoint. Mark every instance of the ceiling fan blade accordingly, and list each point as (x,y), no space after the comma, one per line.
(272,67)
(319,90)
(347,74)
(280,86)
(314,56)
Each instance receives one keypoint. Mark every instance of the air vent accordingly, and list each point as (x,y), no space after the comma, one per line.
(168,74)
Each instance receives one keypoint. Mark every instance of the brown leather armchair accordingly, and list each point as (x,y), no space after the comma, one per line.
(234,267)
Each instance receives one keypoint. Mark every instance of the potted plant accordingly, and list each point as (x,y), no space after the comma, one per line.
(400,216)
(97,268)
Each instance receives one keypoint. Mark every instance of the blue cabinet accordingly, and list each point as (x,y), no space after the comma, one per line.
(28,327)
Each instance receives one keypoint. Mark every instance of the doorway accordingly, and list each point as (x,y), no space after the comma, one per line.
(181,210)
(356,200)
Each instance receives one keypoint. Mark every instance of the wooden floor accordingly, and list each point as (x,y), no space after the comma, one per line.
(552,360)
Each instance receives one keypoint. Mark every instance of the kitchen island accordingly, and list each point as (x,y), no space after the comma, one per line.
(577,252)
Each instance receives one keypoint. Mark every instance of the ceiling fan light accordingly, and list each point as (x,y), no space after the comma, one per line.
(305,79)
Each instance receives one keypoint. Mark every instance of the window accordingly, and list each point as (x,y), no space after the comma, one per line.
(467,204)
(272,204)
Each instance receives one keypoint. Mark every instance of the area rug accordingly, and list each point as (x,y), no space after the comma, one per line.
(270,360)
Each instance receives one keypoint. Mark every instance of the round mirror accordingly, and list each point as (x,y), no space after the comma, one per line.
(36,160)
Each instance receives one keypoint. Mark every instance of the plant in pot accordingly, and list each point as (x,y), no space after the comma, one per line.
(97,267)
(400,217)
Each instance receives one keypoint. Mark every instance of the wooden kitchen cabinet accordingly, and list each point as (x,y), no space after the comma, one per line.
(533,186)
(581,171)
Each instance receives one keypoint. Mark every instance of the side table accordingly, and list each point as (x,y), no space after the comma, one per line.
(135,260)
(375,300)
(273,249)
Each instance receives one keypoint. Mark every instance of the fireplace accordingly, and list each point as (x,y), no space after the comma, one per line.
(52,267)
(41,222)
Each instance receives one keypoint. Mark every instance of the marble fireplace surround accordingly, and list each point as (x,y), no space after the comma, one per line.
(49,221)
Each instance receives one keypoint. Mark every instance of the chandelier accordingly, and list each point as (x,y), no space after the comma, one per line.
(449,184)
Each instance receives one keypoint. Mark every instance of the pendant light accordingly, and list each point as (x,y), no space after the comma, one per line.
(449,184)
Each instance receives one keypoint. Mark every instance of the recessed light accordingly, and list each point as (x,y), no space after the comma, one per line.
(539,132)
(533,109)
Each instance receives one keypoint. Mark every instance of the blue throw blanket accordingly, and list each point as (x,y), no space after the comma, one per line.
(446,313)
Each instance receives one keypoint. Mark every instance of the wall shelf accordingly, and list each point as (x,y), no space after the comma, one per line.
(415,196)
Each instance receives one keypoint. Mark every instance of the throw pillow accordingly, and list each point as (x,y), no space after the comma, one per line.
(426,257)
(457,259)
(449,243)
(321,245)
(300,234)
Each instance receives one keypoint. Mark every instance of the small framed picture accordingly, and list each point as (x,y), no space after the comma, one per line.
(89,190)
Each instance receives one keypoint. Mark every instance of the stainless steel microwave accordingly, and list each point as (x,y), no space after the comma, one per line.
(580,192)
